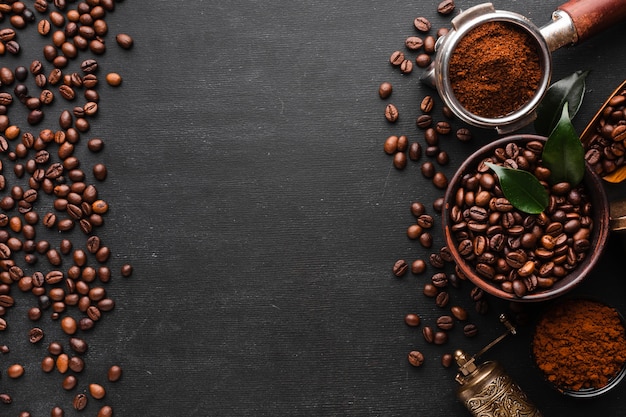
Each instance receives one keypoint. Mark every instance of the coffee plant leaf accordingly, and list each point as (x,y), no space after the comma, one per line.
(563,153)
(522,189)
(570,90)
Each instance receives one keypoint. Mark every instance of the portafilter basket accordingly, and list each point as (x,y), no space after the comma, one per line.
(571,23)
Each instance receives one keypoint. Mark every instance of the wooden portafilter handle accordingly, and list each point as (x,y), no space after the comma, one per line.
(591,17)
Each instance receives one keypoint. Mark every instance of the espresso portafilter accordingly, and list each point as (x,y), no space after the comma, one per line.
(571,23)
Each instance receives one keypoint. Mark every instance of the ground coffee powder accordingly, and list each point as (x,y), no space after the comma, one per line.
(495,69)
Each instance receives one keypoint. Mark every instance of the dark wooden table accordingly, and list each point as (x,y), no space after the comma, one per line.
(249,189)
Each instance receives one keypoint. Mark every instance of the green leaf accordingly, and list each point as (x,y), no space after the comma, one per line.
(563,153)
(569,90)
(522,189)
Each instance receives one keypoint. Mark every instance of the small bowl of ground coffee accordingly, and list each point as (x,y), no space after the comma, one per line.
(512,254)
(579,345)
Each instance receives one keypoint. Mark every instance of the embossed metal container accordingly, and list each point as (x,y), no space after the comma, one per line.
(487,390)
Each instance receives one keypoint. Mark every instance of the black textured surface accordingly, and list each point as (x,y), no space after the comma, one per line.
(249,188)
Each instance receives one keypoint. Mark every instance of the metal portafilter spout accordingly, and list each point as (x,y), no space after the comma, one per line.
(572,23)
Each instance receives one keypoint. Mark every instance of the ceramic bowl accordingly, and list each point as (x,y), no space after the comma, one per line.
(592,183)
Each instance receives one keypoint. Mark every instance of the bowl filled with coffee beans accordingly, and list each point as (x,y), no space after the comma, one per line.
(515,233)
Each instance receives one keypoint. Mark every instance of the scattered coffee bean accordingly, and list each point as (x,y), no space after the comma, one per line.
(429,45)
(125,41)
(459,313)
(422,60)
(470,330)
(396,58)
(391,113)
(442,299)
(418,266)
(445,322)
(440,338)
(427,104)
(422,24)
(399,160)
(413,43)
(447,360)
(15,371)
(385,89)
(400,268)
(430,290)
(412,320)
(429,334)
(416,358)
(446,7)
(113,79)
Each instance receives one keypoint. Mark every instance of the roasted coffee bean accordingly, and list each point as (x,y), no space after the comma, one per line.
(415,151)
(445,322)
(426,240)
(406,67)
(115,372)
(459,313)
(97,391)
(422,24)
(418,266)
(416,358)
(123,40)
(470,330)
(440,338)
(5,398)
(443,128)
(15,371)
(412,320)
(35,335)
(440,181)
(105,411)
(399,160)
(424,121)
(436,261)
(396,58)
(463,134)
(422,60)
(385,89)
(430,290)
(440,280)
(442,299)
(427,104)
(429,334)
(428,169)
(446,7)
(447,360)
(391,113)
(413,43)
(400,268)
(429,44)
(80,401)
(426,221)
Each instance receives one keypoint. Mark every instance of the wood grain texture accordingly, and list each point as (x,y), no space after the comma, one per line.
(250,190)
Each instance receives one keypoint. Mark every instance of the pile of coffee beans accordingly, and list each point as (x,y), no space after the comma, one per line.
(605,149)
(434,125)
(515,251)
(50,205)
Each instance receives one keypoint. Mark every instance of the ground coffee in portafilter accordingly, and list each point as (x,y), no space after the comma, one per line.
(495,69)
(50,207)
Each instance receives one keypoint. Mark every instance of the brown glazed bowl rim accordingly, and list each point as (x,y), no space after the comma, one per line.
(584,392)
(599,236)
